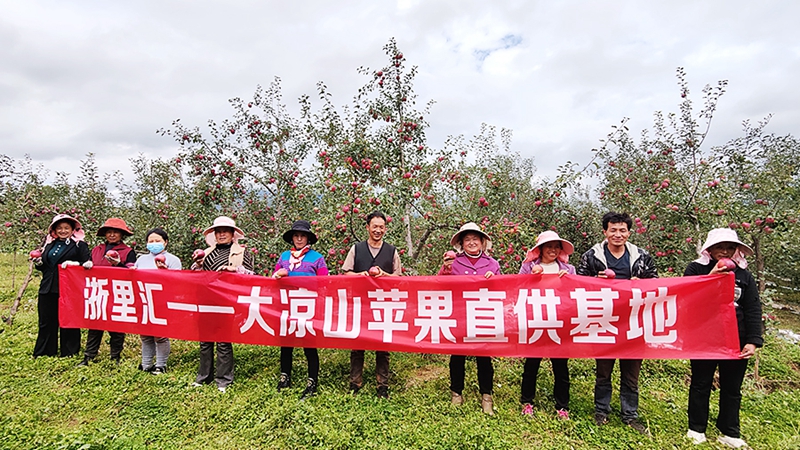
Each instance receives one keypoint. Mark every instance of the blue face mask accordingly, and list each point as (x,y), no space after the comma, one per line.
(155,247)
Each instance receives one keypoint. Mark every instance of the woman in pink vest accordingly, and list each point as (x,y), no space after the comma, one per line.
(112,253)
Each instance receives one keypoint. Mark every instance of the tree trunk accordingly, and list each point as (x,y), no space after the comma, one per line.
(10,319)
(409,240)
(762,283)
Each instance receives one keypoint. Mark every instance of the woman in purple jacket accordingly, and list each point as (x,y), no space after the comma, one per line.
(548,256)
(471,243)
(300,261)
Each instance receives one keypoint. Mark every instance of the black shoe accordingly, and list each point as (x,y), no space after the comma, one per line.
(85,362)
(149,369)
(159,370)
(284,382)
(354,388)
(115,360)
(311,389)
(383,392)
(638,426)
(600,419)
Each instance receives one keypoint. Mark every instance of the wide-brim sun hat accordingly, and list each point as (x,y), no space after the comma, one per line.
(719,235)
(470,227)
(222,221)
(114,223)
(76,226)
(302,226)
(551,236)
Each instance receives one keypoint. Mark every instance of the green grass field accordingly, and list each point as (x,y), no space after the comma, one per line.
(50,403)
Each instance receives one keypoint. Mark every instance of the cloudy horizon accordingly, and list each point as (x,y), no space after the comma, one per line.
(100,77)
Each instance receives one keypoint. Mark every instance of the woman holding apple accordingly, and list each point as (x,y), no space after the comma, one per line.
(548,256)
(156,258)
(471,243)
(300,261)
(723,252)
(224,254)
(113,253)
(63,246)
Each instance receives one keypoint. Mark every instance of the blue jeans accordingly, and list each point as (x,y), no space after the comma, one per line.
(628,387)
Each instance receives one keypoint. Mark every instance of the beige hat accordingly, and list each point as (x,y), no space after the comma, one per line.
(718,235)
(549,236)
(470,227)
(222,221)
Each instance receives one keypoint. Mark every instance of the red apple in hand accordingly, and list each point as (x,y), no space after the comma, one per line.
(199,253)
(36,254)
(726,264)
(610,274)
(374,271)
(448,255)
(161,258)
(537,269)
(112,254)
(281,273)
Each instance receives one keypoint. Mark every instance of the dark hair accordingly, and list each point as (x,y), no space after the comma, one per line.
(375,214)
(615,217)
(158,231)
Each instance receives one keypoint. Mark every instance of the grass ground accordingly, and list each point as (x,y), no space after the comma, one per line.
(50,403)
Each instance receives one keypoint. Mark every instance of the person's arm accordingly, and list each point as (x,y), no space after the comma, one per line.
(525,269)
(322,267)
(585,265)
(648,265)
(751,307)
(349,264)
(397,265)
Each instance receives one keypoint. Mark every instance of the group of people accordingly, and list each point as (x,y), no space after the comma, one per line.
(549,256)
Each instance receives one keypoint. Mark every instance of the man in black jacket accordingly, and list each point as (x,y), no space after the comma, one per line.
(628,262)
(361,259)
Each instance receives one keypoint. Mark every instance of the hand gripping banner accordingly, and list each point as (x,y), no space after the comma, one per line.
(506,315)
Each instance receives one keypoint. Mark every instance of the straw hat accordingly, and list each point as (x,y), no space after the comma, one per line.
(222,221)
(470,227)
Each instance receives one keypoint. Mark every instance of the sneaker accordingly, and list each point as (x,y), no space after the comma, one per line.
(563,414)
(221,389)
(732,442)
(146,369)
(638,426)
(456,398)
(196,384)
(284,382)
(527,410)
(383,392)
(600,419)
(487,404)
(159,370)
(85,362)
(696,437)
(311,389)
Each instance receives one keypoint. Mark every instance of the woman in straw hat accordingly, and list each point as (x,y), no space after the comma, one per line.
(63,246)
(227,255)
(112,253)
(471,243)
(720,248)
(548,256)
(301,260)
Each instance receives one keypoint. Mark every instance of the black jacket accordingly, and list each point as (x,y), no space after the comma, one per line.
(594,261)
(748,305)
(75,251)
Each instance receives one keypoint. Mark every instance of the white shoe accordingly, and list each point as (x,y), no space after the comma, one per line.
(221,389)
(732,441)
(196,384)
(697,438)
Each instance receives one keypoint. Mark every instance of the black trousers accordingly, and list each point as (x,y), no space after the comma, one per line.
(224,373)
(485,373)
(560,381)
(95,337)
(731,375)
(48,338)
(312,356)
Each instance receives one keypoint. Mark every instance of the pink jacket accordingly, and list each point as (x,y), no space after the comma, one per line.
(463,266)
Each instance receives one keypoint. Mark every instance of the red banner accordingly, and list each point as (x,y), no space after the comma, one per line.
(506,315)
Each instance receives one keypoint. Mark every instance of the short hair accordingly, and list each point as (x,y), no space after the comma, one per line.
(158,231)
(375,214)
(615,217)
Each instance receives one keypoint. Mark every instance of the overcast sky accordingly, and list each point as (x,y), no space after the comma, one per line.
(99,76)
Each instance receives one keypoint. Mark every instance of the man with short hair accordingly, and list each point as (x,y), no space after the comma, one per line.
(628,262)
(373,252)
